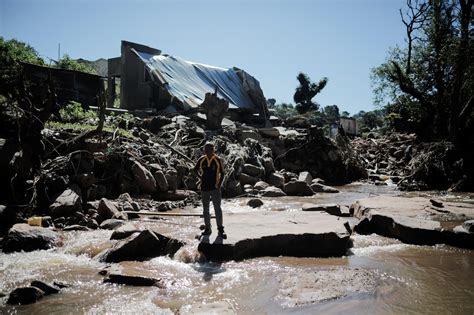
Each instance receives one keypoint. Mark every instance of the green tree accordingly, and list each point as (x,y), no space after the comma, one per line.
(68,63)
(432,78)
(345,114)
(331,114)
(306,91)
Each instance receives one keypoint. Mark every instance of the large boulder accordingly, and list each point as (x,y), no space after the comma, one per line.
(8,217)
(161,182)
(23,237)
(298,188)
(143,178)
(25,295)
(68,203)
(143,246)
(107,210)
(252,170)
(124,231)
(260,185)
(317,187)
(233,188)
(268,165)
(273,192)
(247,179)
(111,224)
(276,179)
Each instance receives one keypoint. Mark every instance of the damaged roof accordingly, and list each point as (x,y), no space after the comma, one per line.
(190,81)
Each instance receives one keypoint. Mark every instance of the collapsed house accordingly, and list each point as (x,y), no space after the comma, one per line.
(159,82)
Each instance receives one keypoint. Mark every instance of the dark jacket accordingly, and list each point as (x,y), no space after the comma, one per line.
(211,172)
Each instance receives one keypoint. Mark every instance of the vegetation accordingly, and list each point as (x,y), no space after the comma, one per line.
(73,112)
(70,64)
(306,91)
(427,87)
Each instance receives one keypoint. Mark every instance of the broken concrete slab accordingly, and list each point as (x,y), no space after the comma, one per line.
(414,221)
(298,234)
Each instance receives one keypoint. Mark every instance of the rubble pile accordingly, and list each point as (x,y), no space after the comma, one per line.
(402,159)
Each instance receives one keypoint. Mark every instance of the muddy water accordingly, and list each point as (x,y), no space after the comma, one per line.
(380,275)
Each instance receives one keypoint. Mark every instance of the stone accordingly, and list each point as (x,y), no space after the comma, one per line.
(172,179)
(144,179)
(67,203)
(260,185)
(131,280)
(247,179)
(252,170)
(268,165)
(146,245)
(408,220)
(25,295)
(92,224)
(23,237)
(124,231)
(96,192)
(215,109)
(233,188)
(269,233)
(276,179)
(255,203)
(305,177)
(297,188)
(125,197)
(161,182)
(107,210)
(318,181)
(330,208)
(272,191)
(469,225)
(111,224)
(317,187)
(8,217)
(46,288)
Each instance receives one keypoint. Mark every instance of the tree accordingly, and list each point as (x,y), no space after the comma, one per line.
(433,77)
(345,114)
(306,91)
(331,114)
(68,63)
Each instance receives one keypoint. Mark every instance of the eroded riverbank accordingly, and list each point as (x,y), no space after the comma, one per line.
(379,275)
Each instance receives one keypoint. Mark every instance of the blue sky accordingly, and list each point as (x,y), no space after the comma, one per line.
(271,39)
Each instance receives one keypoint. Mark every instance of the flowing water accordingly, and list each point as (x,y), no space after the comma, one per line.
(379,275)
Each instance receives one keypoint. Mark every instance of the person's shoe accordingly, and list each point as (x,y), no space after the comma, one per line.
(207,231)
(222,233)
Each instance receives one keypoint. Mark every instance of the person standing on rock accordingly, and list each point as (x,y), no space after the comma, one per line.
(210,169)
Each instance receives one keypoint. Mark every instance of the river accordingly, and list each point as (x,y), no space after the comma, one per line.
(378,276)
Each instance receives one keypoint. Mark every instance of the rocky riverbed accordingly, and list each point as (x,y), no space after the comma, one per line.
(374,273)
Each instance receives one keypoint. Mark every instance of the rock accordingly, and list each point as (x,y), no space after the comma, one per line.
(272,192)
(252,170)
(436,203)
(143,177)
(469,226)
(276,179)
(25,295)
(86,180)
(8,217)
(305,177)
(316,187)
(107,210)
(247,179)
(255,203)
(145,245)
(23,237)
(260,185)
(221,308)
(330,208)
(132,280)
(135,205)
(111,224)
(233,188)
(298,188)
(76,227)
(96,192)
(406,220)
(318,181)
(176,195)
(268,165)
(46,288)
(161,182)
(67,203)
(268,233)
(125,197)
(92,224)
(124,231)
(172,179)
